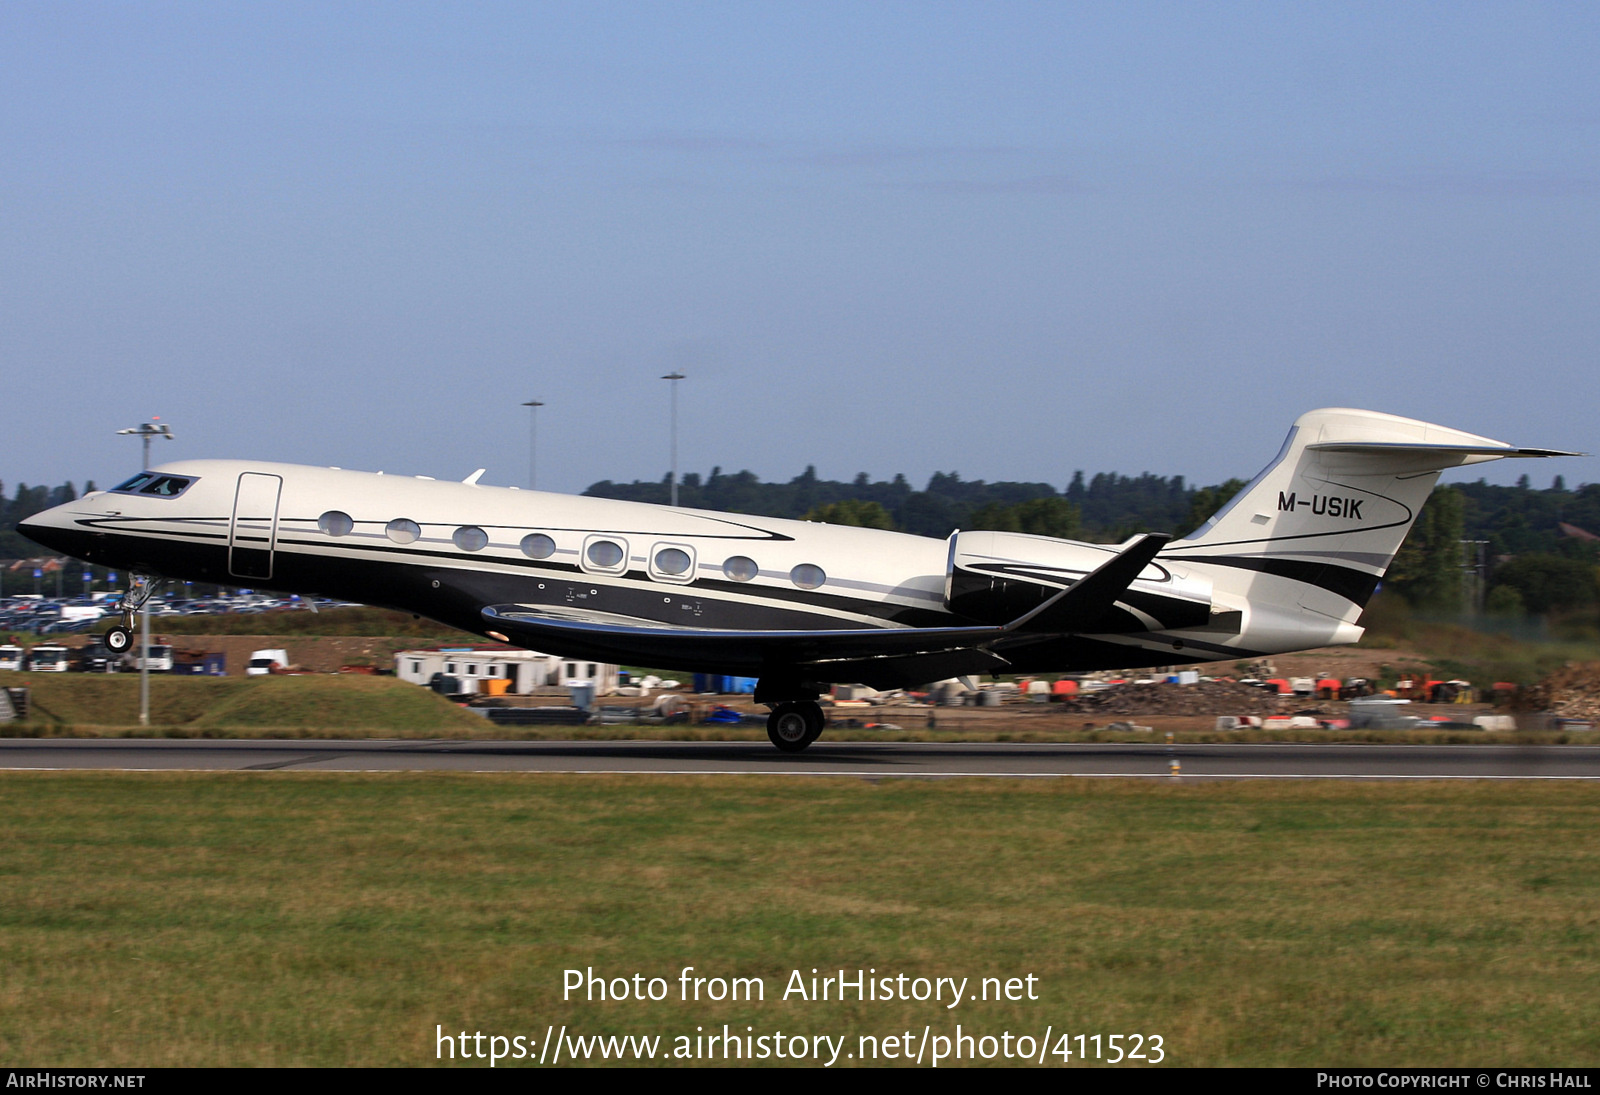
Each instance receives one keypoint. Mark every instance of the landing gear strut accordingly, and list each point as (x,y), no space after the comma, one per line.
(796,724)
(141,587)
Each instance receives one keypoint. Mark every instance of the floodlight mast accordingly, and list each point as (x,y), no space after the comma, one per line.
(145,431)
(144,662)
(674,376)
(533,406)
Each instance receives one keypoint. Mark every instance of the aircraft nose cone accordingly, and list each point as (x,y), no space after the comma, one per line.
(35,531)
(49,529)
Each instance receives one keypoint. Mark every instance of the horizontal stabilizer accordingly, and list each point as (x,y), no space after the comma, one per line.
(1468,454)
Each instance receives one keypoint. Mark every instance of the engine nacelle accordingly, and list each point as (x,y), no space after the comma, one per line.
(994,577)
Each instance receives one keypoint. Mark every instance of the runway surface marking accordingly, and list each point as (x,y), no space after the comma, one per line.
(866,760)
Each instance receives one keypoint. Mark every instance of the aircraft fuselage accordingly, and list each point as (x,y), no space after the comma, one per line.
(446,550)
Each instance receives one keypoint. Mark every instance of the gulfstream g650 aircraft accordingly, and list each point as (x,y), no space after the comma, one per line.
(1287,565)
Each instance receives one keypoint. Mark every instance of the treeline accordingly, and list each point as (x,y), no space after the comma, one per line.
(1517,520)
(24,503)
(1533,557)
(1541,545)
(1505,551)
(1107,507)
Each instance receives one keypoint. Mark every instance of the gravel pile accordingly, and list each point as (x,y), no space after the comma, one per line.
(1205,698)
(1572,692)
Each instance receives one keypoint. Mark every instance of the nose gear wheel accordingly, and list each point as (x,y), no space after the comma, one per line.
(141,587)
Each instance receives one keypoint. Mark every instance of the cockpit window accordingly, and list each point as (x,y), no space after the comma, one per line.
(159,486)
(168,486)
(133,484)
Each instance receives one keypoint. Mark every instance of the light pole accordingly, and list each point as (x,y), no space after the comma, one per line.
(144,662)
(1475,573)
(674,376)
(154,428)
(533,406)
(145,431)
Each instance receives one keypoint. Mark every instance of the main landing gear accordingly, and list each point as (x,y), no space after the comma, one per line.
(795,724)
(141,587)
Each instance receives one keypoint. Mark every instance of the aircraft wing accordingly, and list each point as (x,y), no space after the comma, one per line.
(868,654)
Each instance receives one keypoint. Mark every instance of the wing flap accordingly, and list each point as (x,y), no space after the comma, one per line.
(1496,451)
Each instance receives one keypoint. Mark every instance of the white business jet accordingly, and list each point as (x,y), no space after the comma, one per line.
(1287,565)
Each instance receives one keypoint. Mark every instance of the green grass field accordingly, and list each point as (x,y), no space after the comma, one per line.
(336,919)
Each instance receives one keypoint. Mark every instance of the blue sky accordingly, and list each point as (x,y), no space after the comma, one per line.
(1010,240)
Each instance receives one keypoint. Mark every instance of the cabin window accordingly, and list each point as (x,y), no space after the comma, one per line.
(672,563)
(605,553)
(403,530)
(470,538)
(807,576)
(335,523)
(740,568)
(672,560)
(538,546)
(602,553)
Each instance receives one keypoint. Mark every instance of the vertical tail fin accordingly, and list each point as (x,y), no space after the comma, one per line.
(1316,530)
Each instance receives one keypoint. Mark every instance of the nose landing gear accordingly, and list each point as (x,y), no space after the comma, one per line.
(141,587)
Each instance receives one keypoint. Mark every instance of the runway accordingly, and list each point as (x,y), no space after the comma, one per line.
(857,759)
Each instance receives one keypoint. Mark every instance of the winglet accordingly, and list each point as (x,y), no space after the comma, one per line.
(1080,606)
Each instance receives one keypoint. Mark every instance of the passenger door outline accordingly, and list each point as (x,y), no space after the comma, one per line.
(253,531)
